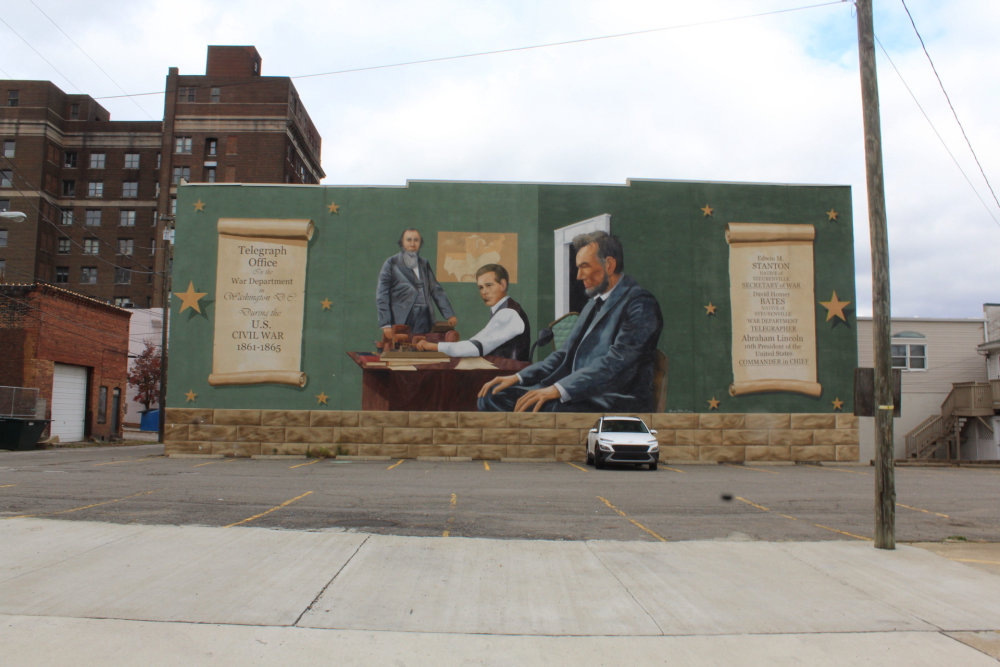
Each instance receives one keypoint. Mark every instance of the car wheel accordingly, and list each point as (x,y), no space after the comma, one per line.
(598,459)
(590,459)
(652,466)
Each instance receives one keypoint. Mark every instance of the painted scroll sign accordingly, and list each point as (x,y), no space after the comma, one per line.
(260,291)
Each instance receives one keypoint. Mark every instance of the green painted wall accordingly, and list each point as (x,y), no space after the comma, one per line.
(671,247)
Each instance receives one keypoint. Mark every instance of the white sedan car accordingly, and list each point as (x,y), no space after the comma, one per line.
(622,440)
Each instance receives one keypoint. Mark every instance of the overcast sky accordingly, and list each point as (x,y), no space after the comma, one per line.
(766,97)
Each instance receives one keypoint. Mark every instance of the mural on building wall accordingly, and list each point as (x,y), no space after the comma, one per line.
(732,305)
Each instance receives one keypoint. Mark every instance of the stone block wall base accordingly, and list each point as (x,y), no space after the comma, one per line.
(684,437)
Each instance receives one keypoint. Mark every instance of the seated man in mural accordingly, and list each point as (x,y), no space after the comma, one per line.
(507,334)
(607,363)
(407,289)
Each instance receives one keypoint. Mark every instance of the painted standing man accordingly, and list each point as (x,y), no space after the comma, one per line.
(507,334)
(608,361)
(407,289)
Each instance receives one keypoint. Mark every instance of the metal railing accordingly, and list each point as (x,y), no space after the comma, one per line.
(20,402)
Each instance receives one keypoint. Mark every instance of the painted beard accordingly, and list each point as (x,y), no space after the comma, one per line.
(600,289)
(410,259)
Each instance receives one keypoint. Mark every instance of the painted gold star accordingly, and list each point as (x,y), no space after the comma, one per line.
(837,404)
(835,307)
(832,215)
(189,299)
(707,210)
(326,303)
(321,398)
(713,403)
(199,205)
(333,208)
(190,396)
(709,309)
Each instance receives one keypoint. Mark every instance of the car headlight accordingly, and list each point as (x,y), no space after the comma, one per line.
(605,445)
(654,446)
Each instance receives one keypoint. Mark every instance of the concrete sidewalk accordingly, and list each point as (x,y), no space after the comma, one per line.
(92,593)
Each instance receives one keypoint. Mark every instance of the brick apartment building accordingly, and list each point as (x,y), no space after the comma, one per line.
(99,194)
(74,350)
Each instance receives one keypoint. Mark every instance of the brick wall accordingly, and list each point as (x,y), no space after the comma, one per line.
(58,326)
(684,438)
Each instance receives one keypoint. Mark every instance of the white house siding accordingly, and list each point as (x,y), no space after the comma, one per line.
(951,357)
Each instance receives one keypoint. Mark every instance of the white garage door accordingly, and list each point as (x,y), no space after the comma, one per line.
(69,402)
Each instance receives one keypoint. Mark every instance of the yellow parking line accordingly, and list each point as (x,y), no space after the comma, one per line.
(631,520)
(674,469)
(793,518)
(307,463)
(85,507)
(580,468)
(113,463)
(226,460)
(917,509)
(773,472)
(975,560)
(395,464)
(486,465)
(451,519)
(273,509)
(853,472)
(7,486)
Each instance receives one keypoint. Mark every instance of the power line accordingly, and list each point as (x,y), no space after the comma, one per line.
(39,53)
(80,48)
(516,49)
(938,134)
(951,106)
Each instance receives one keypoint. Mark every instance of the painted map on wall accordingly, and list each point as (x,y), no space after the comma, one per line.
(460,254)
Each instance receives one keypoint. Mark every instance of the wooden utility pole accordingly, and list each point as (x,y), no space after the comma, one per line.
(885,484)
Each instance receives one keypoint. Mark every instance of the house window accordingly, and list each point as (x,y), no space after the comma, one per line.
(64,246)
(909,351)
(93,217)
(6,178)
(216,94)
(69,188)
(123,302)
(3,270)
(130,189)
(102,405)
(13,98)
(67,216)
(131,160)
(62,274)
(173,206)
(210,174)
(122,276)
(182,145)
(97,160)
(3,238)
(88,275)
(74,111)
(8,148)
(185,94)
(152,246)
(69,159)
(126,218)
(181,173)
(4,204)
(95,189)
(125,246)
(211,146)
(91,246)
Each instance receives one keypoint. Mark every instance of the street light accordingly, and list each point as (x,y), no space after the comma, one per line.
(13,216)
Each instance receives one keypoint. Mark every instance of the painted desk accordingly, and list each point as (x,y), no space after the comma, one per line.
(432,387)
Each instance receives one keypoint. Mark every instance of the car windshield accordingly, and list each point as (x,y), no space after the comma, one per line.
(624,426)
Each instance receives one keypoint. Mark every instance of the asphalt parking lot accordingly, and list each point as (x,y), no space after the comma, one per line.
(515,500)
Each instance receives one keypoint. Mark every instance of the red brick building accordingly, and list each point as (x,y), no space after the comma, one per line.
(74,350)
(99,194)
